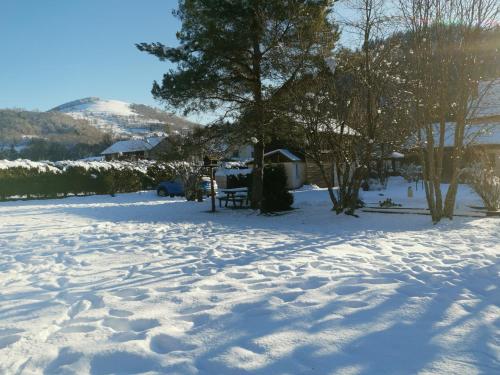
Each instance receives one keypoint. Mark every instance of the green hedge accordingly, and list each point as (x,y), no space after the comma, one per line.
(29,180)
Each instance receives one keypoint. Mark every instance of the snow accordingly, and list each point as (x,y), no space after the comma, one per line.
(41,166)
(232,171)
(111,107)
(133,145)
(137,283)
(89,164)
(339,128)
(284,152)
(395,155)
(114,116)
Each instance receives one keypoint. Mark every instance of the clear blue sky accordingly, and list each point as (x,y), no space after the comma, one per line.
(54,51)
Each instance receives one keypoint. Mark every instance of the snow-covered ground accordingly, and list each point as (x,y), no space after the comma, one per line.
(138,283)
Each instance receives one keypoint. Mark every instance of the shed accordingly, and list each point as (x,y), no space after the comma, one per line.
(295,167)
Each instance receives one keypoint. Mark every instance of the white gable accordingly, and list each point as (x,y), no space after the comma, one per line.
(284,152)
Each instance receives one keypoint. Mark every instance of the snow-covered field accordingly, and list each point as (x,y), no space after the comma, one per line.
(137,283)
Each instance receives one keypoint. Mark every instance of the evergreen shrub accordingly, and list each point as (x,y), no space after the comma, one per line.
(276,196)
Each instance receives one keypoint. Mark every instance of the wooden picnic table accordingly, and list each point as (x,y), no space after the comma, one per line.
(235,195)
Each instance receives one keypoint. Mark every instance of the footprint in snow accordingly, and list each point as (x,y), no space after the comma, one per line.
(120,313)
(65,358)
(134,294)
(10,331)
(238,275)
(349,289)
(311,283)
(62,281)
(128,336)
(79,307)
(163,344)
(189,270)
(126,325)
(8,340)
(78,329)
(354,304)
(122,362)
(289,296)
(218,288)
(196,309)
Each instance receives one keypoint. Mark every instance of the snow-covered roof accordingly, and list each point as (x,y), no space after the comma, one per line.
(487,103)
(132,145)
(395,155)
(479,134)
(154,141)
(337,128)
(285,153)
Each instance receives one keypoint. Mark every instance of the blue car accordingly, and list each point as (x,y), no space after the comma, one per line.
(170,188)
(176,188)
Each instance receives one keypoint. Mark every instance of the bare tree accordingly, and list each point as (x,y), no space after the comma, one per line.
(321,111)
(369,26)
(443,67)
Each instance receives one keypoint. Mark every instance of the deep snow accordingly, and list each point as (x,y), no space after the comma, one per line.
(138,283)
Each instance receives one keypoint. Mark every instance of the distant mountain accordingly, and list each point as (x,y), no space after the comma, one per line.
(123,119)
(19,126)
(47,136)
(80,128)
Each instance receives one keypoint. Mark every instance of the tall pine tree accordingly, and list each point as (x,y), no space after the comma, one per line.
(235,55)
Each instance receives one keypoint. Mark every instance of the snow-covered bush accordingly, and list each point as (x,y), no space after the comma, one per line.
(486,183)
(157,173)
(190,174)
(28,179)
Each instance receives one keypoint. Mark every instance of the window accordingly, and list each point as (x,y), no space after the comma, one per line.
(296,170)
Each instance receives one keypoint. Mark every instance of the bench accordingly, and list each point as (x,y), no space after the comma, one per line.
(235,199)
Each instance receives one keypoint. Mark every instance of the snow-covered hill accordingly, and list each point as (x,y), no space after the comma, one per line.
(121,118)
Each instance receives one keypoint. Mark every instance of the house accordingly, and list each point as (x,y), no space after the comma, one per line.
(314,175)
(482,133)
(137,148)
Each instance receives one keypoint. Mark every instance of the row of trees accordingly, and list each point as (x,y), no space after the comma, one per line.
(274,70)
(42,149)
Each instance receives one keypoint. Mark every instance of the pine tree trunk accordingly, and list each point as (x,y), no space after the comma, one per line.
(257,176)
(258,172)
